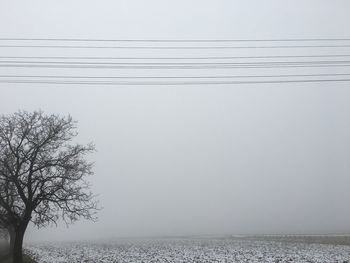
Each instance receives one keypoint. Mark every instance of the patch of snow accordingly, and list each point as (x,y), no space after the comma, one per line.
(196,250)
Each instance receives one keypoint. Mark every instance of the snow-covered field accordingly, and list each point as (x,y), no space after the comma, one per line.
(194,250)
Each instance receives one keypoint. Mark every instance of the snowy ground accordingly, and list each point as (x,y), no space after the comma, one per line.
(194,250)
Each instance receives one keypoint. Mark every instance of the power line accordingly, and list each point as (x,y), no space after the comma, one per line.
(178,63)
(173,47)
(213,66)
(175,40)
(172,58)
(169,83)
(177,77)
(205,62)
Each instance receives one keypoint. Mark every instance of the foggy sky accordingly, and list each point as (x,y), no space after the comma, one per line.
(189,160)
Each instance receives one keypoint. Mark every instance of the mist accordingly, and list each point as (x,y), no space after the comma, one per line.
(198,160)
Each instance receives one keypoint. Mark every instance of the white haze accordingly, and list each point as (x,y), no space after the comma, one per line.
(194,160)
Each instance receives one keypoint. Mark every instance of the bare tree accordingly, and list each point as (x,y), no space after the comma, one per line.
(42,173)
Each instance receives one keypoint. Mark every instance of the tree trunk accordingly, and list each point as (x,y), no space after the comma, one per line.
(17,246)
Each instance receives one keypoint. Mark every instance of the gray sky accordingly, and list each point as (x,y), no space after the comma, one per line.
(234,159)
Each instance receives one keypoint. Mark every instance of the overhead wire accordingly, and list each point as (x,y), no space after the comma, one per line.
(172,58)
(174,47)
(166,67)
(177,77)
(205,62)
(175,40)
(169,83)
(177,63)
